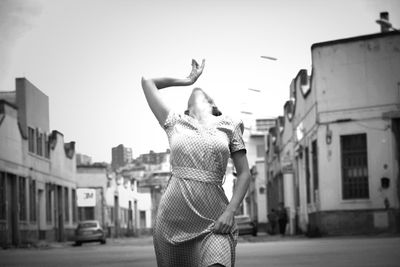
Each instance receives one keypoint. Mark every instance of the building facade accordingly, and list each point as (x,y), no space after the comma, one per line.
(120,156)
(82,159)
(110,197)
(338,150)
(255,201)
(37,171)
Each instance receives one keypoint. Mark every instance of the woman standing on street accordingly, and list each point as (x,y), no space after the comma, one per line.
(195,223)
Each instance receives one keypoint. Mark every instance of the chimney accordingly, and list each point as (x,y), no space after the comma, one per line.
(384,22)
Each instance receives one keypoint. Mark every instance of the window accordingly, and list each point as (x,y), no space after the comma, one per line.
(22,198)
(66,204)
(2,196)
(46,146)
(48,203)
(314,153)
(32,200)
(31,139)
(73,205)
(39,145)
(354,166)
(260,151)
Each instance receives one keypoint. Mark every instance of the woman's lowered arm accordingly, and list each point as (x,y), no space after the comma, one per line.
(225,222)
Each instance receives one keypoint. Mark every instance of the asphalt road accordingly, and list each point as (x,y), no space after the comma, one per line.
(325,252)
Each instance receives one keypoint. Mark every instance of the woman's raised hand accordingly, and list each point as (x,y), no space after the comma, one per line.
(196,70)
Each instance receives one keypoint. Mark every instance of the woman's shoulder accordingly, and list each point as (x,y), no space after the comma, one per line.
(232,120)
(172,118)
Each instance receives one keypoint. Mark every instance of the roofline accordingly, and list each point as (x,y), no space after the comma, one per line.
(354,39)
(3,101)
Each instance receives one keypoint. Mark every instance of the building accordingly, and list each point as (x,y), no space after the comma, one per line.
(155,159)
(120,156)
(155,171)
(37,171)
(109,197)
(92,183)
(138,172)
(82,159)
(338,153)
(255,201)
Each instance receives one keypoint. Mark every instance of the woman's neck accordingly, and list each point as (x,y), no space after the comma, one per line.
(202,117)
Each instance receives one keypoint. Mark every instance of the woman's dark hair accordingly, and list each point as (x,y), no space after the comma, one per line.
(215,111)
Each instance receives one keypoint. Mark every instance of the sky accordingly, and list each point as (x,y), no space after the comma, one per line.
(89,56)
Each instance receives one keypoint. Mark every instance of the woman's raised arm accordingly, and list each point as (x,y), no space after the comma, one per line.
(153,97)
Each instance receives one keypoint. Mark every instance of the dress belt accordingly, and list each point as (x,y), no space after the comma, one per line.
(197,175)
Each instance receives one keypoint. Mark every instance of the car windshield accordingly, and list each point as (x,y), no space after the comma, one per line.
(88,225)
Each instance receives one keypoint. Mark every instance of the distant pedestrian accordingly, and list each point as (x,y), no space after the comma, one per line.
(282,219)
(195,225)
(273,220)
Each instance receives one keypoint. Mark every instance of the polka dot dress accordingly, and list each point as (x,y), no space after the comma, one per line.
(194,197)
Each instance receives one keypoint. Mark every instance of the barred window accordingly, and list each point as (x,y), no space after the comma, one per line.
(2,195)
(32,200)
(22,198)
(354,166)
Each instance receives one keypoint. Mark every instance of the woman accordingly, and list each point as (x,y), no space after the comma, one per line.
(195,224)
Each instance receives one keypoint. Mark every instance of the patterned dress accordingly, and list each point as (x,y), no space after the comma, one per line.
(194,197)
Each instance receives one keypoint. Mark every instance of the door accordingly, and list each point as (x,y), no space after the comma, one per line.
(396,133)
(116,215)
(11,209)
(142,219)
(41,215)
(130,218)
(59,214)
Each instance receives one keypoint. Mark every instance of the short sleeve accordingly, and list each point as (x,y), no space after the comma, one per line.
(236,143)
(171,120)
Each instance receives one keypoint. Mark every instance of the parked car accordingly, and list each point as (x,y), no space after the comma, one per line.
(246,225)
(89,231)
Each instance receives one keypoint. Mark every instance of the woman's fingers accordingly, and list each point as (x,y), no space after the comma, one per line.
(203,63)
(222,228)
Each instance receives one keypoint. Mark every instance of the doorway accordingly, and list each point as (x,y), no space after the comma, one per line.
(59,214)
(11,209)
(41,215)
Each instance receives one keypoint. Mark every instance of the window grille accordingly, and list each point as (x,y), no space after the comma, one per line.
(354,166)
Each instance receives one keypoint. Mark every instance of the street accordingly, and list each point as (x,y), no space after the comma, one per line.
(326,252)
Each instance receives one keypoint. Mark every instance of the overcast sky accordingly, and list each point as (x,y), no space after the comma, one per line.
(88,56)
